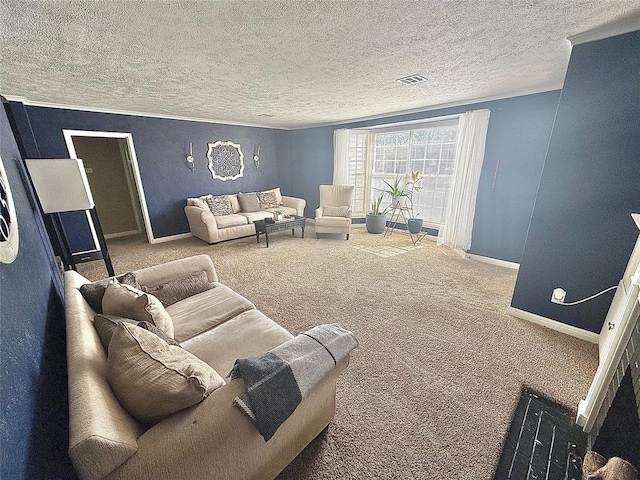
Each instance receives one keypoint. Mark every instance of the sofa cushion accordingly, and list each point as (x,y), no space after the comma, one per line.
(231,220)
(248,334)
(253,216)
(153,379)
(106,325)
(249,202)
(94,292)
(220,205)
(267,199)
(286,210)
(204,311)
(180,288)
(129,302)
(333,221)
(330,211)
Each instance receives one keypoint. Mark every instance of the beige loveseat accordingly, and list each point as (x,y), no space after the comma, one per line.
(238,222)
(210,440)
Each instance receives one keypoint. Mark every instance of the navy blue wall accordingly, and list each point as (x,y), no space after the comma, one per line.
(33,398)
(517,140)
(581,233)
(161,146)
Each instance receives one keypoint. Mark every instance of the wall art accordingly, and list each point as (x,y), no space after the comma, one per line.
(9,238)
(226,161)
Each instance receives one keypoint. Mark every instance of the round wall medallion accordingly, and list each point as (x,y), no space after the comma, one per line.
(8,221)
(226,161)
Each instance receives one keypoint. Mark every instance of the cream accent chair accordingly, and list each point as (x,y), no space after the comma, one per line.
(340,197)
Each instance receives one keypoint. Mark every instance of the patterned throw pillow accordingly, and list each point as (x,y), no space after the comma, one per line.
(220,205)
(330,211)
(268,199)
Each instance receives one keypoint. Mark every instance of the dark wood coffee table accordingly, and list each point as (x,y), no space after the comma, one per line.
(268,225)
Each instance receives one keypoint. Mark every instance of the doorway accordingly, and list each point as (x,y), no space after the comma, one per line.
(113,175)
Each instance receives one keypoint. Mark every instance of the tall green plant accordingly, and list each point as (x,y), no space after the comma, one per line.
(376,204)
(395,190)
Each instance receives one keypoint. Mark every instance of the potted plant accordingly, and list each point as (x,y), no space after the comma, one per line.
(278,214)
(396,191)
(376,219)
(414,224)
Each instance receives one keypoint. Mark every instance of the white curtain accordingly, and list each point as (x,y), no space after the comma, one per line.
(455,231)
(341,157)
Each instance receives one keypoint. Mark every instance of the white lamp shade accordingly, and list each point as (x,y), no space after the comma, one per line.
(61,184)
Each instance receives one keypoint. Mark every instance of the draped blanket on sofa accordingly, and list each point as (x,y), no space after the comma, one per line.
(277,381)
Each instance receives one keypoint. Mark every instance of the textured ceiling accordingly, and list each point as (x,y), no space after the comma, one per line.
(287,63)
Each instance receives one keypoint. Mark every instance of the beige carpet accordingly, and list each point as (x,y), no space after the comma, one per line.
(430,392)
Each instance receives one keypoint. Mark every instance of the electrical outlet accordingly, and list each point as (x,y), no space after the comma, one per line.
(557,296)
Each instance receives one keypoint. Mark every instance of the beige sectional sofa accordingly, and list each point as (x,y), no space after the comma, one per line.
(209,440)
(239,221)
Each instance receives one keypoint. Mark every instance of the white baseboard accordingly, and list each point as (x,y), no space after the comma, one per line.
(493,261)
(122,234)
(171,238)
(554,325)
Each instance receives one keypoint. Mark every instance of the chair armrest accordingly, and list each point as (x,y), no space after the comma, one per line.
(293,202)
(318,212)
(165,272)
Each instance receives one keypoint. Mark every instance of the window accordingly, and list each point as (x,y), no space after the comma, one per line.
(378,156)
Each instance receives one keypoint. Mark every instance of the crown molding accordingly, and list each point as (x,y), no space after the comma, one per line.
(25,101)
(618,27)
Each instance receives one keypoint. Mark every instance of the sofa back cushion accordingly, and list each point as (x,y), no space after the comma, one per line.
(249,202)
(153,379)
(102,434)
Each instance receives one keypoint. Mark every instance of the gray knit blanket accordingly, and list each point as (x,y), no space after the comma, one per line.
(277,381)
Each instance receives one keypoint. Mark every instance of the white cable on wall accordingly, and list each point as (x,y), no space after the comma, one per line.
(589,298)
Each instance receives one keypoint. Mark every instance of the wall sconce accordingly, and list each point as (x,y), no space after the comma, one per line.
(256,156)
(190,160)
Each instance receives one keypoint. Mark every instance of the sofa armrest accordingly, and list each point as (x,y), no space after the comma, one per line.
(165,272)
(293,202)
(202,223)
(318,212)
(215,440)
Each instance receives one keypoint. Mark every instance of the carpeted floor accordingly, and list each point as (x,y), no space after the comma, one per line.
(431,390)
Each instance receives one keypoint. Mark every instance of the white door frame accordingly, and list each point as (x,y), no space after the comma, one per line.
(68,138)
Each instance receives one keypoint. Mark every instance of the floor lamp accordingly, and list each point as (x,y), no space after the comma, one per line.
(62,186)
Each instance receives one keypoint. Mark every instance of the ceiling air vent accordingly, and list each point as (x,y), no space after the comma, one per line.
(411,79)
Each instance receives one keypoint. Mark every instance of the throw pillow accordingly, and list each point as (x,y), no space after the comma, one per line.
(129,302)
(278,194)
(220,205)
(152,379)
(93,292)
(267,199)
(106,325)
(249,202)
(180,288)
(330,211)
